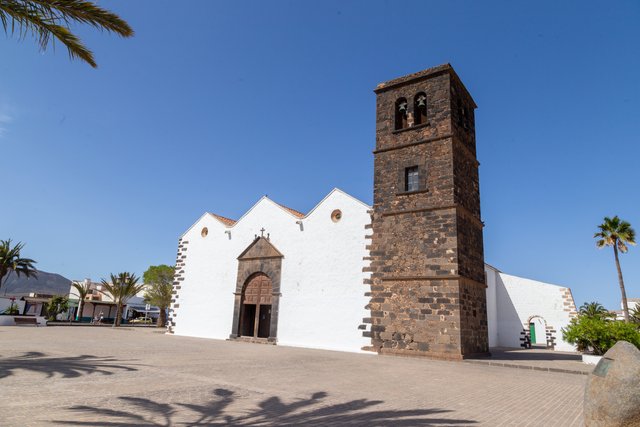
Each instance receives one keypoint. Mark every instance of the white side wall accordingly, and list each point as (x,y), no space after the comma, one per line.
(322,302)
(492,308)
(518,299)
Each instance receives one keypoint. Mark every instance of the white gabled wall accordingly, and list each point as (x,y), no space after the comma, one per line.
(322,302)
(206,294)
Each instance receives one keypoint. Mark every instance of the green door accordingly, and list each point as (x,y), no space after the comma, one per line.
(532,332)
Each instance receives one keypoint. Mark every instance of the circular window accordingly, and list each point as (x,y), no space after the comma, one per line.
(336,215)
(204,232)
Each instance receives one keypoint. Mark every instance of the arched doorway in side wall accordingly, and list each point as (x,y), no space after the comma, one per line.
(255,307)
(537,328)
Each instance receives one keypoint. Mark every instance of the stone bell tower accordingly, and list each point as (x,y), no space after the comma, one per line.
(428,288)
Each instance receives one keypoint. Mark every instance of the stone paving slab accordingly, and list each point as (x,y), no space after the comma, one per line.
(107,377)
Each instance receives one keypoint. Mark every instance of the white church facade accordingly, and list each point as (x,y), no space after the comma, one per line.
(321,298)
(405,276)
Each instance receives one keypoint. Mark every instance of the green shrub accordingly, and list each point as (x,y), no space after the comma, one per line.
(13,309)
(57,305)
(599,334)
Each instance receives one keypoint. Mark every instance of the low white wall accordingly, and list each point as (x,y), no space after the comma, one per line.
(517,300)
(9,321)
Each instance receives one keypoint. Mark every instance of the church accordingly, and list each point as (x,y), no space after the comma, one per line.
(406,276)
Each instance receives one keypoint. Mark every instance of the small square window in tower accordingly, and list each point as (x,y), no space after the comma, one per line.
(411,182)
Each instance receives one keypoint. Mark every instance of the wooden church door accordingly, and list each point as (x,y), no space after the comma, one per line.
(255,314)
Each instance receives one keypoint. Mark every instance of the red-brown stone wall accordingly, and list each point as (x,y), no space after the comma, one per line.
(427,263)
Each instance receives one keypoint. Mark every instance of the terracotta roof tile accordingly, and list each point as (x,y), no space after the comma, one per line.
(293,211)
(226,221)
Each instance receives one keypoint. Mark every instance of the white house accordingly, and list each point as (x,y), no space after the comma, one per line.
(280,276)
(99,305)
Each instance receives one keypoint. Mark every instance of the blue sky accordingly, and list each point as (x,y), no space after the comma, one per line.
(105,168)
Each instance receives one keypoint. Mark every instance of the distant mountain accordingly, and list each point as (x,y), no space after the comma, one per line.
(46,283)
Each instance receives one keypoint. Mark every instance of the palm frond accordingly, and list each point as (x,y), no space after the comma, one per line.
(615,232)
(11,261)
(45,19)
(122,287)
(85,12)
(83,290)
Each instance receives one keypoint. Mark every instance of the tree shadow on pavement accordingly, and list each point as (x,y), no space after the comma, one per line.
(67,367)
(270,412)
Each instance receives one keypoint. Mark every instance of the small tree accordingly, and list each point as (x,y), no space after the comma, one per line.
(617,233)
(82,289)
(57,305)
(10,260)
(594,309)
(159,281)
(122,287)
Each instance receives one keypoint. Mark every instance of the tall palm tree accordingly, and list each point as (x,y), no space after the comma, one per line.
(121,288)
(617,233)
(45,19)
(159,281)
(83,289)
(10,260)
(593,309)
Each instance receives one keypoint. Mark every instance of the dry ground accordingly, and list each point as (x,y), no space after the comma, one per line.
(104,377)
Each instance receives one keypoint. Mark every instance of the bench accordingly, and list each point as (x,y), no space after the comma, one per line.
(26,321)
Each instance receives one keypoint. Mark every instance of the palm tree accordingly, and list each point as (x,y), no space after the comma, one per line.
(617,233)
(159,294)
(45,19)
(10,260)
(83,289)
(122,287)
(594,309)
(159,279)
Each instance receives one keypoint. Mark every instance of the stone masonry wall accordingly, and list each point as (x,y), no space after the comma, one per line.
(427,285)
(177,285)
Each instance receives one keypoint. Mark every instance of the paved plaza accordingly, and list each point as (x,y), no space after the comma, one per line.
(140,377)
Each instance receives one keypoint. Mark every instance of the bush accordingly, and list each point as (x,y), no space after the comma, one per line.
(57,305)
(599,334)
(13,309)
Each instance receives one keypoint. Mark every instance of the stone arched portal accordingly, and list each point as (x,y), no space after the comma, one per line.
(549,333)
(257,293)
(255,307)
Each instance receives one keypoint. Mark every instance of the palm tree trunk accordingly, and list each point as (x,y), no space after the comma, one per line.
(116,321)
(162,319)
(625,307)
(4,277)
(80,308)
